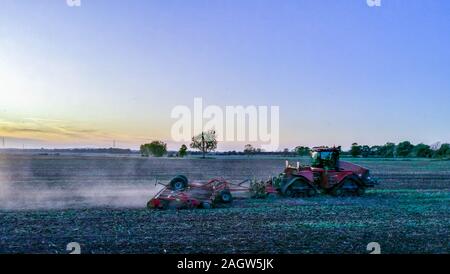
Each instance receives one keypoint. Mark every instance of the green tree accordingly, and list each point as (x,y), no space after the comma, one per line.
(375,150)
(422,151)
(205,142)
(365,151)
(404,149)
(155,148)
(182,152)
(355,151)
(302,151)
(387,151)
(145,152)
(249,149)
(443,151)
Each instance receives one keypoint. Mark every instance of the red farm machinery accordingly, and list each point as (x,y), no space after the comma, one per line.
(180,193)
(327,174)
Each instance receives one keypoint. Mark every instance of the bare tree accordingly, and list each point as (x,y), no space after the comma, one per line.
(205,142)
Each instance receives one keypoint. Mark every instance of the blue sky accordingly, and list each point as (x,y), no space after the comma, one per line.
(340,71)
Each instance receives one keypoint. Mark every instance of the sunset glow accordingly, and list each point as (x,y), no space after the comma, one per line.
(86,76)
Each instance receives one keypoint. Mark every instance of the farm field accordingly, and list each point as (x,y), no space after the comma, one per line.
(49,201)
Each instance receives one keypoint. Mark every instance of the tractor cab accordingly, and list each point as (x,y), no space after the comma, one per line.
(326,158)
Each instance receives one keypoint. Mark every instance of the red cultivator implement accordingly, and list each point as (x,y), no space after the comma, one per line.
(180,193)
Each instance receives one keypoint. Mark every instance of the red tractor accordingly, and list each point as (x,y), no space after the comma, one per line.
(327,174)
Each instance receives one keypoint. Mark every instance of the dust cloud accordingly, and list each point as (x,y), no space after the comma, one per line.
(30,182)
(82,197)
(18,198)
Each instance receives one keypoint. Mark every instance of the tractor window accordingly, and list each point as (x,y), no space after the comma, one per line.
(325,155)
(325,159)
(316,159)
(315,155)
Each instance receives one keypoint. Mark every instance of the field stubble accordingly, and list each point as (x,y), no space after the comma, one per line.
(98,201)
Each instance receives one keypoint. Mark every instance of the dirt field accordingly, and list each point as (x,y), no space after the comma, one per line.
(99,201)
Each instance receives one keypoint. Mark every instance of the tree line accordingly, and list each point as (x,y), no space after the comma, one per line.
(389,150)
(403,149)
(206,142)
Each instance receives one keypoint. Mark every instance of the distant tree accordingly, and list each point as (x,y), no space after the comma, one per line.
(422,151)
(442,152)
(365,151)
(205,142)
(404,149)
(155,148)
(387,151)
(249,150)
(286,152)
(182,152)
(375,150)
(355,151)
(145,152)
(302,151)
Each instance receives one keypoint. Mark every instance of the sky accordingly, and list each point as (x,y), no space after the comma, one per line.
(340,71)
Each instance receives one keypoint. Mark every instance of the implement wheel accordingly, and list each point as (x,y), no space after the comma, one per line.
(178,183)
(206,205)
(225,196)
